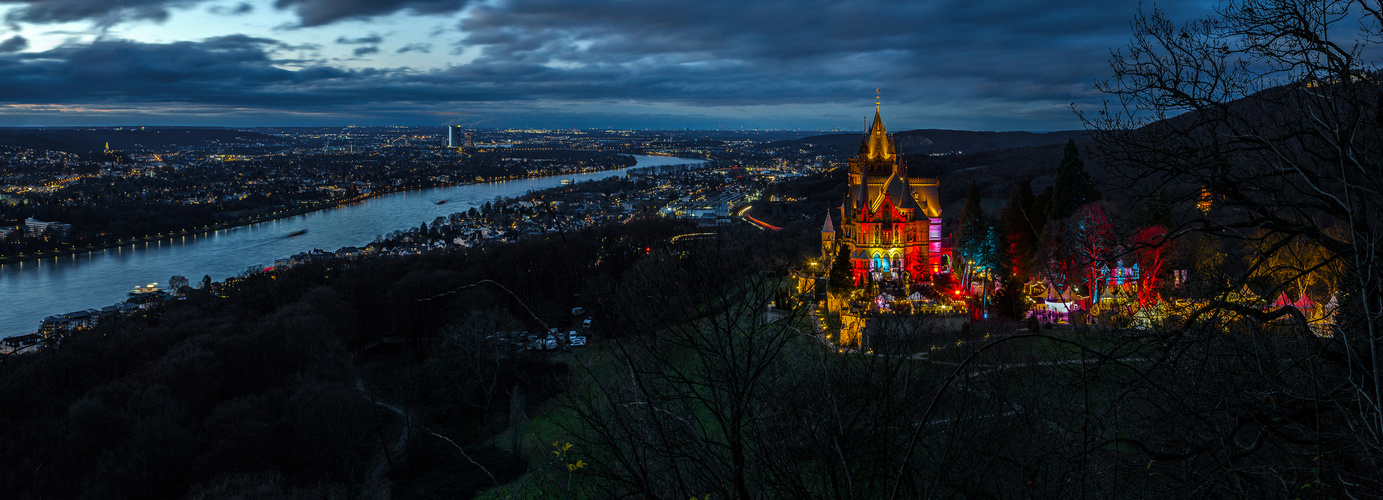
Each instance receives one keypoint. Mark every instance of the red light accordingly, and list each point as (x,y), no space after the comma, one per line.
(647,249)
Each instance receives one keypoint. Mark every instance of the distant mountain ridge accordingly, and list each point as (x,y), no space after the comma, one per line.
(84,140)
(940,141)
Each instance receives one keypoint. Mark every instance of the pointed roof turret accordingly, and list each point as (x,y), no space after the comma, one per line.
(828,227)
(876,144)
(880,147)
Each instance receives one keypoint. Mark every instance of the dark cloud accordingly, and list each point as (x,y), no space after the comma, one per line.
(1004,64)
(238,10)
(370,39)
(101,11)
(309,12)
(1048,48)
(320,12)
(14,44)
(229,70)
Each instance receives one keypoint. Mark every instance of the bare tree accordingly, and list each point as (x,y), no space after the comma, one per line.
(1263,121)
(176,282)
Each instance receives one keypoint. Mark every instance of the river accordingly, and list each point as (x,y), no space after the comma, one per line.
(32,290)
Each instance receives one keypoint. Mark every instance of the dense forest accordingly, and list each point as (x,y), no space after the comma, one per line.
(262,381)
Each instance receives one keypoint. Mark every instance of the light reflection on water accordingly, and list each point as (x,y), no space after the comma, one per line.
(32,290)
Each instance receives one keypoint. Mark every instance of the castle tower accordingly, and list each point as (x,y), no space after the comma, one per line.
(828,241)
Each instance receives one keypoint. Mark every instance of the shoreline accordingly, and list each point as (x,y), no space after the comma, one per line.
(45,254)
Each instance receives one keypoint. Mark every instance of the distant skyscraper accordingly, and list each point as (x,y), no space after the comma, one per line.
(470,140)
(453,136)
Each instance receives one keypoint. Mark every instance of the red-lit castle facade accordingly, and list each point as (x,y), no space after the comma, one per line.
(890,224)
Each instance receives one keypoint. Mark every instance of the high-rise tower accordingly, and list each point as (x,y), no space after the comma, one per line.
(453,136)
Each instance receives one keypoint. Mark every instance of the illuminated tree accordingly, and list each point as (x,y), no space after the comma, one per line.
(1074,248)
(1297,265)
(1148,246)
(974,241)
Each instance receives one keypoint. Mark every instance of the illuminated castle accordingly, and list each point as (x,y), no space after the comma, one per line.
(889,224)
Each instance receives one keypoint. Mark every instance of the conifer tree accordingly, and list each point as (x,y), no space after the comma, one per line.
(1021,223)
(1073,188)
(840,279)
(972,228)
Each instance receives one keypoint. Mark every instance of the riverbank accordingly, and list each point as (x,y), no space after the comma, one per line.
(76,282)
(207,229)
(282,214)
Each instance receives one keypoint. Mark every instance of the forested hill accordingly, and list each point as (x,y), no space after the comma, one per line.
(991,160)
(937,141)
(94,139)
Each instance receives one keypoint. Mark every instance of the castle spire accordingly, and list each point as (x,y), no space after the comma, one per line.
(879,146)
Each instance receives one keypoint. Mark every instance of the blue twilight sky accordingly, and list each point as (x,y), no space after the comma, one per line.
(795,64)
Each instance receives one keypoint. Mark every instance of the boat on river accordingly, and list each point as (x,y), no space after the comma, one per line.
(151,288)
(299,232)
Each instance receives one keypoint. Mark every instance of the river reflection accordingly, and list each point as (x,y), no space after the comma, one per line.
(32,290)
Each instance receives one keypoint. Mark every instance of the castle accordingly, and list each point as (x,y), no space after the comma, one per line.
(889,224)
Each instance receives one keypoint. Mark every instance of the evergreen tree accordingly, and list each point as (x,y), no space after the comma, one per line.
(1021,224)
(840,278)
(1155,210)
(1073,188)
(972,228)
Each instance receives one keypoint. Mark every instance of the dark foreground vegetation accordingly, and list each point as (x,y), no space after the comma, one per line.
(254,384)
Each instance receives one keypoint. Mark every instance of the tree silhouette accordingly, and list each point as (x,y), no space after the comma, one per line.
(1073,188)
(841,277)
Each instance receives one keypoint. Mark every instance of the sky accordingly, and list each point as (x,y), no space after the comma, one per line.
(660,64)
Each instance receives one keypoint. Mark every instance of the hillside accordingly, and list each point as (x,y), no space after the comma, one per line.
(937,141)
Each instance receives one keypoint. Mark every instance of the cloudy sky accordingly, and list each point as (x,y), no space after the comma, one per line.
(793,64)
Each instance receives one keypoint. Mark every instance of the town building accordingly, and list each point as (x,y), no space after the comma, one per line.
(34,226)
(890,224)
(61,323)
